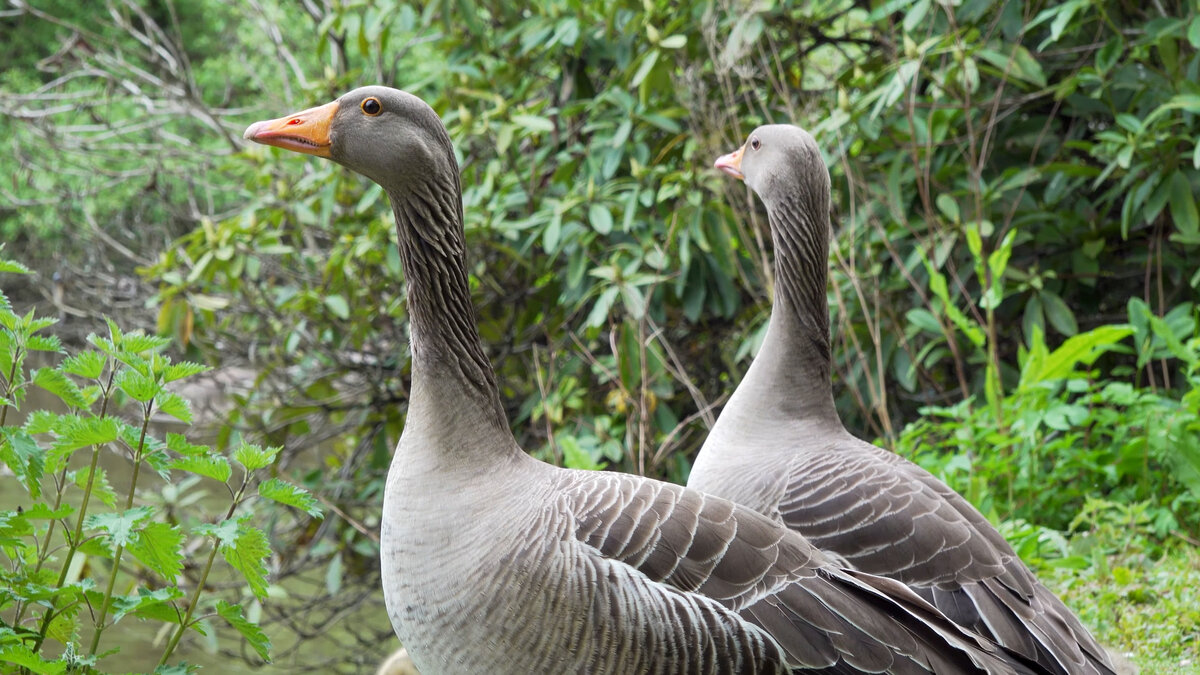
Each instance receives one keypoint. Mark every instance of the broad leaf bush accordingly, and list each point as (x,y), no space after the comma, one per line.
(74,533)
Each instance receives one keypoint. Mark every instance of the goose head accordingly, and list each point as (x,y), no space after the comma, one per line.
(777,160)
(387,135)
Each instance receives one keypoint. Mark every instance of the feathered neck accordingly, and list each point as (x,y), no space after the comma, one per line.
(445,339)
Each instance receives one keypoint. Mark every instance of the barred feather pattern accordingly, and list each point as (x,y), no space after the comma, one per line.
(780,448)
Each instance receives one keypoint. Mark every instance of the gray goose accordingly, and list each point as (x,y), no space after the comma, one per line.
(779,446)
(494,562)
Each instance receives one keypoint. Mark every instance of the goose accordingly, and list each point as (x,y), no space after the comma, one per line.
(779,446)
(495,562)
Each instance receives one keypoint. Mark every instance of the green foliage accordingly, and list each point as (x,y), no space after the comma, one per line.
(1061,426)
(72,512)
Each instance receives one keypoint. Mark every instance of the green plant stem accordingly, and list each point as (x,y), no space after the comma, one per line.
(112,579)
(195,599)
(73,542)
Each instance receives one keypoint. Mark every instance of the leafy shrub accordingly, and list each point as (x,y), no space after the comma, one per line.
(74,535)
(1092,438)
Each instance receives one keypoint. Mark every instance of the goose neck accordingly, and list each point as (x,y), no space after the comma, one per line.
(451,373)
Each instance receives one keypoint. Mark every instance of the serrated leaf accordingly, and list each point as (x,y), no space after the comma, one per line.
(13,267)
(210,466)
(74,432)
(179,443)
(178,371)
(138,343)
(247,554)
(137,386)
(249,630)
(43,343)
(120,527)
(88,364)
(57,383)
(170,403)
(22,656)
(149,604)
(43,511)
(24,457)
(158,546)
(291,495)
(255,457)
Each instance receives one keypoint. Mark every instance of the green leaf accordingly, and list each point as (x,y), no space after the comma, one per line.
(1028,68)
(179,443)
(149,604)
(644,69)
(43,343)
(334,575)
(76,432)
(178,371)
(13,267)
(1083,348)
(534,123)
(1183,205)
(120,527)
(600,218)
(247,554)
(22,656)
(673,42)
(948,207)
(291,495)
(42,511)
(137,386)
(159,547)
(1193,33)
(575,457)
(255,457)
(210,466)
(138,343)
(24,457)
(337,306)
(55,382)
(249,630)
(1058,314)
(1108,55)
(173,404)
(88,364)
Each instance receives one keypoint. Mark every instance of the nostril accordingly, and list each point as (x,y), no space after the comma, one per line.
(294,120)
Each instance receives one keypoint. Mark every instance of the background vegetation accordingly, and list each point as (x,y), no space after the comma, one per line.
(1014,218)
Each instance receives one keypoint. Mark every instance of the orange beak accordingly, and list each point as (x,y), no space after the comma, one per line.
(306,131)
(730,164)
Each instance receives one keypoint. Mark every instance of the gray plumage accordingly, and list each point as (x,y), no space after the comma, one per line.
(494,562)
(780,448)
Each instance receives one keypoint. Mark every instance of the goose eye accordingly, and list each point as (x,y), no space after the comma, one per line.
(755,143)
(371,106)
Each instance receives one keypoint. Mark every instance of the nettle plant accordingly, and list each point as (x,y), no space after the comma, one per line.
(78,554)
